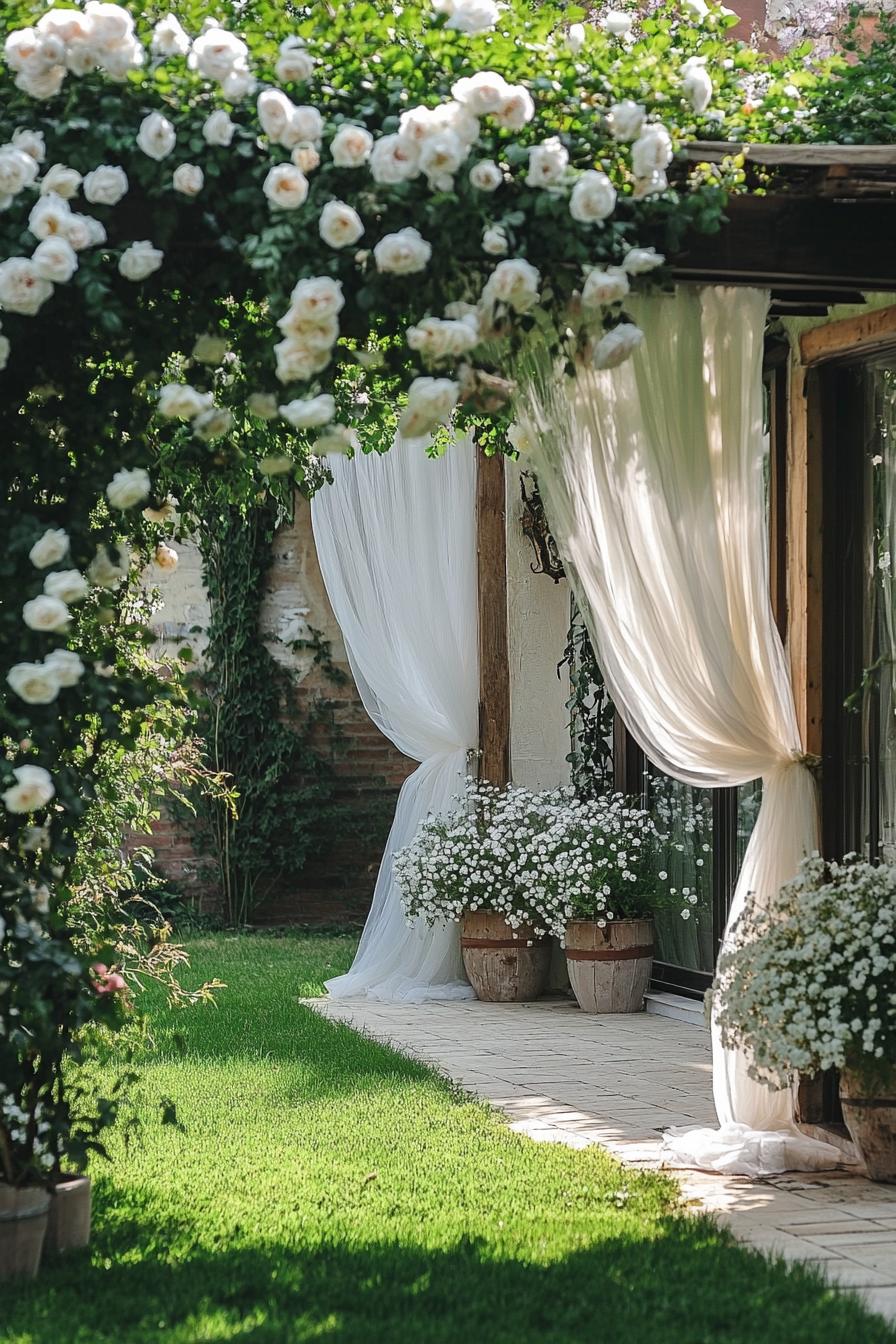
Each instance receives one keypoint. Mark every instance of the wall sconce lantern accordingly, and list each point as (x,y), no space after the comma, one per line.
(535,527)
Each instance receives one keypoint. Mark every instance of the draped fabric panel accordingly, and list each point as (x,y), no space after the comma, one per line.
(396,540)
(653,479)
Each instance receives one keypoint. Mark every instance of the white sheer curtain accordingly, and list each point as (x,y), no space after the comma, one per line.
(652,475)
(396,539)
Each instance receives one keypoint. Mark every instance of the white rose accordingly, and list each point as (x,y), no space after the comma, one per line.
(107,572)
(516,110)
(481,93)
(626,120)
(238,83)
(486,175)
(66,665)
(649,186)
(50,548)
(402,253)
(180,401)
(319,335)
(275,113)
(305,157)
(473,16)
(218,129)
(452,116)
(107,24)
(22,290)
(652,151)
(394,159)
(340,225)
(298,360)
(604,286)
(84,231)
(140,260)
(128,487)
(49,217)
(286,187)
(351,146)
(294,65)
(306,126)
(338,439)
(32,790)
(696,84)
(55,259)
(430,404)
(156,136)
(316,298)
(696,9)
(209,349)
(46,614)
(69,585)
(169,38)
(575,38)
(617,345)
(435,339)
(640,260)
(213,423)
(263,404)
(440,158)
(494,241)
(17,170)
(60,180)
(44,82)
(188,179)
(216,53)
(617,23)
(35,683)
(515,283)
(105,185)
(547,163)
(309,412)
(277,464)
(166,557)
(31,143)
(593,198)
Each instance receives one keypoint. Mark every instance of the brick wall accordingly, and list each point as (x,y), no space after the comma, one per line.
(335,886)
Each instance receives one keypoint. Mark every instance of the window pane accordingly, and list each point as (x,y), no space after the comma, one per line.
(879,706)
(683,815)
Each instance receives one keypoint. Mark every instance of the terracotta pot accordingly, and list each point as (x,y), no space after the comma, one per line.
(609,968)
(68,1224)
(23,1225)
(869,1109)
(503,965)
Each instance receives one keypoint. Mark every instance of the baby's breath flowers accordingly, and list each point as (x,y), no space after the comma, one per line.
(812,986)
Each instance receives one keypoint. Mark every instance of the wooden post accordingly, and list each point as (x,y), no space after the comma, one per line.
(494,661)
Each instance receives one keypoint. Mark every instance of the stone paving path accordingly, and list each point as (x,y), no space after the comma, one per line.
(561,1076)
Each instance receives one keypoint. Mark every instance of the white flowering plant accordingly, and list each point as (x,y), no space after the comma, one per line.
(538,859)
(812,985)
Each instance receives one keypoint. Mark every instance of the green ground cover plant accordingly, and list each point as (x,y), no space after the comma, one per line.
(318,1186)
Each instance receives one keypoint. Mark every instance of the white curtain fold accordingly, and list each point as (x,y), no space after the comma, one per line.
(396,540)
(653,479)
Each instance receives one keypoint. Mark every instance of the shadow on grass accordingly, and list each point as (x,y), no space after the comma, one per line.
(681,1286)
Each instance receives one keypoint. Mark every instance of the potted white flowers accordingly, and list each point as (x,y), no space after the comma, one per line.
(809,987)
(489,866)
(612,891)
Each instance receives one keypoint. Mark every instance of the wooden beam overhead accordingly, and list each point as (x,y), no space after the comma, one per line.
(862,335)
(794,156)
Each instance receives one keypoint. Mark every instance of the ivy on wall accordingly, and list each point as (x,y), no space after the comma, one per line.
(279,754)
(591,714)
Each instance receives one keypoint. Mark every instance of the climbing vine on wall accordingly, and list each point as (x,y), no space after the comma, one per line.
(278,752)
(590,714)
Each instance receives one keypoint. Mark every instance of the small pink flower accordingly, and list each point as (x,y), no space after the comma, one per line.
(109,982)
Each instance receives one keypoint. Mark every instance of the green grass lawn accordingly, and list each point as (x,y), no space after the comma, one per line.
(324,1188)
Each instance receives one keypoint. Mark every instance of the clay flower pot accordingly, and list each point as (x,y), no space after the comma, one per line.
(869,1109)
(609,968)
(503,965)
(68,1224)
(23,1226)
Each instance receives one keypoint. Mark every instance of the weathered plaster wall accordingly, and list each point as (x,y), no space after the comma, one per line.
(538,621)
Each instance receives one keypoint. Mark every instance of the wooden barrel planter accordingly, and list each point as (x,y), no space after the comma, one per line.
(68,1225)
(23,1226)
(503,965)
(609,968)
(869,1110)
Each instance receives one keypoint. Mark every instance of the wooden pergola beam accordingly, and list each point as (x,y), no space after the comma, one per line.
(494,657)
(862,335)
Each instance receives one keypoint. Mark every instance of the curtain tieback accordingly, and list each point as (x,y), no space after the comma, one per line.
(806,758)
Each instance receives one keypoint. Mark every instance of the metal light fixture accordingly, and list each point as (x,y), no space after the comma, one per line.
(535,527)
